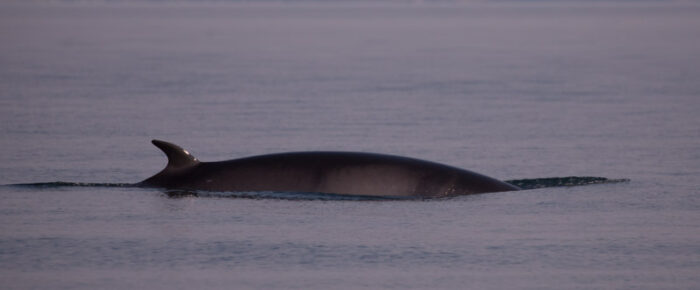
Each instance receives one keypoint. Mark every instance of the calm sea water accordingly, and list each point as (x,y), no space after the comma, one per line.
(509,89)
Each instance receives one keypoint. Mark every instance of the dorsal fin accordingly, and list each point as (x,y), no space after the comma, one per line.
(177,157)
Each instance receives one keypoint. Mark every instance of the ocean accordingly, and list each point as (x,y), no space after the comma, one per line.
(509,89)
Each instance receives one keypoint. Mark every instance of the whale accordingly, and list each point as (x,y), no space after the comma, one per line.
(324,172)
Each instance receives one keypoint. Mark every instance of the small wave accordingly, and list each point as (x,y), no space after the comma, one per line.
(534,183)
(56,184)
(280,195)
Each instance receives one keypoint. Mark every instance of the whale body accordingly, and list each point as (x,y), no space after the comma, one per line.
(345,173)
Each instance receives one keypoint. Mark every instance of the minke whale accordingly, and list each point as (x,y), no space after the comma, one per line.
(344,173)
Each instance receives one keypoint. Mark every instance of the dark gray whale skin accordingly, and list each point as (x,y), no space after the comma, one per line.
(347,173)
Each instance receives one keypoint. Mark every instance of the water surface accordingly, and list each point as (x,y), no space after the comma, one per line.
(509,89)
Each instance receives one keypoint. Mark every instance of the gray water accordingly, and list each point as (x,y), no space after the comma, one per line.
(513,90)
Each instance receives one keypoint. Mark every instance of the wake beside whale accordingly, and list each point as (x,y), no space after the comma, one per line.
(344,173)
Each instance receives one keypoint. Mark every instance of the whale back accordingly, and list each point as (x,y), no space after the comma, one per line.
(348,173)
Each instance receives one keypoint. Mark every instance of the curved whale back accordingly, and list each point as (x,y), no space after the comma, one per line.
(350,173)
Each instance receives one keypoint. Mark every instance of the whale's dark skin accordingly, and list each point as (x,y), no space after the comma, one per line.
(348,173)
